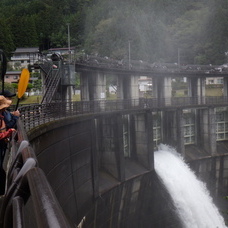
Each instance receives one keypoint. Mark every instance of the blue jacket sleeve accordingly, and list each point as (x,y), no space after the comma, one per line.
(10,119)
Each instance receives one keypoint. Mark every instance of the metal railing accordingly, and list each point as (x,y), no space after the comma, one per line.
(26,181)
(89,60)
(38,114)
(52,80)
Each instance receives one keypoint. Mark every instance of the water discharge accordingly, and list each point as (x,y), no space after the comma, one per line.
(191,198)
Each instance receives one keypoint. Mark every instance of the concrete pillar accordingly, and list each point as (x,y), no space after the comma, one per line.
(84,86)
(120,91)
(95,132)
(199,129)
(128,88)
(144,139)
(119,147)
(167,91)
(134,87)
(221,183)
(120,87)
(192,92)
(69,93)
(99,86)
(209,131)
(155,87)
(108,158)
(180,132)
(162,90)
(112,152)
(197,89)
(173,129)
(168,128)
(150,142)
(225,86)
(201,86)
(93,86)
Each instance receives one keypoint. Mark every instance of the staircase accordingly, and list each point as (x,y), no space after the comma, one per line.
(51,81)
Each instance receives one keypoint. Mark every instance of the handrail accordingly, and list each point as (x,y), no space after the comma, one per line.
(37,114)
(52,80)
(25,180)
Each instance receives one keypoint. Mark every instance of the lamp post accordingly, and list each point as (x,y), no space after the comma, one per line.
(68,29)
(69,71)
(178,57)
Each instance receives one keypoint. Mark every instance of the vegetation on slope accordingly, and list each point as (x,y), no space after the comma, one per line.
(191,32)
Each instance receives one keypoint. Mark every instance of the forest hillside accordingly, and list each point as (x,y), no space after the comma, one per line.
(192,32)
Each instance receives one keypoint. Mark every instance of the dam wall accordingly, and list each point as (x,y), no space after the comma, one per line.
(213,172)
(64,150)
(94,182)
(103,176)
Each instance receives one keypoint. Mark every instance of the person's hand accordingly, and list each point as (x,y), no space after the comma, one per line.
(12,130)
(16,113)
(8,133)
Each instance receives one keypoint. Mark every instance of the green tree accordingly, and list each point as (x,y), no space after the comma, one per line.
(156,29)
(8,86)
(37,84)
(24,31)
(6,41)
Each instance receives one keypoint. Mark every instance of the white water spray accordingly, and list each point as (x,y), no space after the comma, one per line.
(190,196)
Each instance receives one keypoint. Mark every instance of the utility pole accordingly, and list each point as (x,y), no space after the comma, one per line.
(178,56)
(129,53)
(68,29)
(69,71)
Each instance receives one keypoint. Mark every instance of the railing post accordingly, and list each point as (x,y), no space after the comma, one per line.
(18,214)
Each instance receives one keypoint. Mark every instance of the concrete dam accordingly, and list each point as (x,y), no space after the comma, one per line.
(94,159)
(99,182)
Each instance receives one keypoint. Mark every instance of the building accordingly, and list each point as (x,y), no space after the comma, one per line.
(145,86)
(22,57)
(214,81)
(12,76)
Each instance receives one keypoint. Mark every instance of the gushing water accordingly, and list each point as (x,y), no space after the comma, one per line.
(190,196)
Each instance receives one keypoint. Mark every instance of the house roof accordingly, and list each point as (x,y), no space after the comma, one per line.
(27,50)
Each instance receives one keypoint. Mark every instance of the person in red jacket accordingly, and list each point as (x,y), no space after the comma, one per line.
(5,133)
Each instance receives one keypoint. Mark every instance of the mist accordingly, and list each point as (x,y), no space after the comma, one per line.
(156,31)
